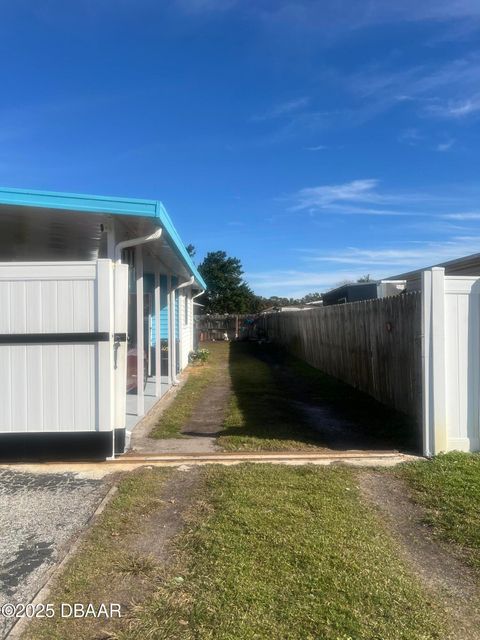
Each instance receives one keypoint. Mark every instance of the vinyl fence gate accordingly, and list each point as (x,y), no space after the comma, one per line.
(62,346)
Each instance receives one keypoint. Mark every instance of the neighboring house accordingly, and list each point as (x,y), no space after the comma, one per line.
(96,312)
(466,266)
(357,291)
(293,307)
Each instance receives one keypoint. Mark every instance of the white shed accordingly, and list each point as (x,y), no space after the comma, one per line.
(96,313)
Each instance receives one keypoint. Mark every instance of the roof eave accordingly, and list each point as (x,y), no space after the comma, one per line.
(103,205)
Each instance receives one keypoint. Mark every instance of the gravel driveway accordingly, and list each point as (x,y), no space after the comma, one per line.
(39,515)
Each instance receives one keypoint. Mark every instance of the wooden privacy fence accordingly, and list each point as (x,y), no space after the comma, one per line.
(214,327)
(374,345)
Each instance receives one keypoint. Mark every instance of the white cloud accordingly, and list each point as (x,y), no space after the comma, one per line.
(448,91)
(457,109)
(332,12)
(333,18)
(318,147)
(445,146)
(206,6)
(371,211)
(293,283)
(363,197)
(442,91)
(320,197)
(409,255)
(469,215)
(373,257)
(283,109)
(306,123)
(439,91)
(410,136)
(352,262)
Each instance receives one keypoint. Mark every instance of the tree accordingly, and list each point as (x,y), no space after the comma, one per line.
(227,292)
(191,250)
(276,301)
(311,297)
(365,278)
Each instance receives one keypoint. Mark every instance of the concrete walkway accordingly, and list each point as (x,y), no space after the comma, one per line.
(99,470)
(40,515)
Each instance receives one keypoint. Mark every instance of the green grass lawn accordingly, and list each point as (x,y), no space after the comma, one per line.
(200,377)
(263,414)
(448,486)
(260,415)
(383,423)
(105,568)
(275,552)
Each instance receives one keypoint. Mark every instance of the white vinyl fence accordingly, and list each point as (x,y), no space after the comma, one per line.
(451,355)
(59,364)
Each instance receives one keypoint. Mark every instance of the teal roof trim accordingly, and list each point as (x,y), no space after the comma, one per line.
(102,204)
(173,233)
(78,202)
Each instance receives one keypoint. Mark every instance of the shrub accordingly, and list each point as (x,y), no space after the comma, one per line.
(199,356)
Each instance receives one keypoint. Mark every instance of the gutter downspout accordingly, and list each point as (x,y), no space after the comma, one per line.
(185,284)
(125,244)
(195,346)
(199,294)
(188,283)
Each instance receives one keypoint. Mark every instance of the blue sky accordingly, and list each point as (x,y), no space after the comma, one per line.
(316,141)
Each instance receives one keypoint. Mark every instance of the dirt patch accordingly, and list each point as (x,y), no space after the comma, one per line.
(207,419)
(454,584)
(199,413)
(140,442)
(165,523)
(146,554)
(336,431)
(342,418)
(199,433)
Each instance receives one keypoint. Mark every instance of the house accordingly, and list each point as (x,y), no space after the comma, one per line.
(465,266)
(292,307)
(357,291)
(96,313)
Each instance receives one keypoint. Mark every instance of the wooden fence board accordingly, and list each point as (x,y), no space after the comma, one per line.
(373,345)
(214,327)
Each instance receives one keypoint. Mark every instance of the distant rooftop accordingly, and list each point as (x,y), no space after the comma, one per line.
(351,284)
(471,261)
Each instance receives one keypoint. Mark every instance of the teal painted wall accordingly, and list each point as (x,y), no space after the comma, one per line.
(177,324)
(149,287)
(163,308)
